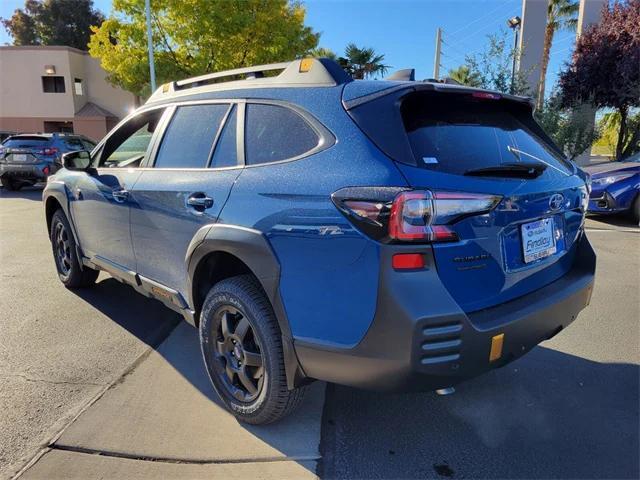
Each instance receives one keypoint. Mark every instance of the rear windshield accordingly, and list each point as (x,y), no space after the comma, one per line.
(25,142)
(457,134)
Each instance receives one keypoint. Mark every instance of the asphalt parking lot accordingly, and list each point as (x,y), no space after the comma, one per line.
(105,383)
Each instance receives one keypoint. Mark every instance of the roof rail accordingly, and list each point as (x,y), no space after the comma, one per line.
(302,72)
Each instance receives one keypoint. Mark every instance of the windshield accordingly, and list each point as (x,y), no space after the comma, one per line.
(456,134)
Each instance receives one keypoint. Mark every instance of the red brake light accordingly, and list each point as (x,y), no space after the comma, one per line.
(50,151)
(486,95)
(419,216)
(425,215)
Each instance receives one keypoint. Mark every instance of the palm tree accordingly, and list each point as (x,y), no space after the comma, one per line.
(362,62)
(560,14)
(464,76)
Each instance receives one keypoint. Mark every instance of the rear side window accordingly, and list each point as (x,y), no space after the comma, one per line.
(456,134)
(26,142)
(274,133)
(190,135)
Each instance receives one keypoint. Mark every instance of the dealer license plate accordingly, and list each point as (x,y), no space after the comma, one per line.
(537,240)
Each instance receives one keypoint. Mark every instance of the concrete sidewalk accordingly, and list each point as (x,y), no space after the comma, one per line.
(165,420)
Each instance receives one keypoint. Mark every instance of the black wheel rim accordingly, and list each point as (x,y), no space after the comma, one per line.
(62,249)
(239,362)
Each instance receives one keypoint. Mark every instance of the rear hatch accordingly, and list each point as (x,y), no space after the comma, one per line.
(26,149)
(458,144)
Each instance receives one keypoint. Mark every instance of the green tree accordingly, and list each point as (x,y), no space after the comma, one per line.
(464,76)
(571,132)
(53,22)
(492,68)
(193,37)
(609,126)
(604,69)
(560,14)
(362,62)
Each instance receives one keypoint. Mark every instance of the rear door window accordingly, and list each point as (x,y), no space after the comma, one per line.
(189,138)
(274,133)
(455,134)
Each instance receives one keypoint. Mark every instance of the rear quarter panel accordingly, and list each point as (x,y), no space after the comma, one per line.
(329,270)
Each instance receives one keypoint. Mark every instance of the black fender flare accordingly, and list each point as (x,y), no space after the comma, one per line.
(252,248)
(58,191)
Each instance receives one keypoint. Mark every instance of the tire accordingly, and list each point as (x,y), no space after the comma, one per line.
(635,210)
(237,324)
(71,274)
(10,184)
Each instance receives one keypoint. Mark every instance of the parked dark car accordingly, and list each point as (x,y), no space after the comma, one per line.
(26,159)
(615,187)
(389,235)
(4,134)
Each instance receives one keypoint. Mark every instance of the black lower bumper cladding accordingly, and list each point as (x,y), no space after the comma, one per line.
(419,342)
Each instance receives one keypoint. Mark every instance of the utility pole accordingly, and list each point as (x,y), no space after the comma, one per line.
(514,24)
(436,60)
(152,68)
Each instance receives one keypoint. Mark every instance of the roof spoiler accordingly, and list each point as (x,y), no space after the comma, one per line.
(405,75)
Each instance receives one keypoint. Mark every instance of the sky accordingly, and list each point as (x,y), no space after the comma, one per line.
(403,30)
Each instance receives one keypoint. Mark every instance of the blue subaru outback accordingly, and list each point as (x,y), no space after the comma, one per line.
(388,235)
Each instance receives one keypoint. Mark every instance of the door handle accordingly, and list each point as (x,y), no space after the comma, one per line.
(120,196)
(199,201)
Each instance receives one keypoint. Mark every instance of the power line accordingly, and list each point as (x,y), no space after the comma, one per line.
(467,37)
(479,18)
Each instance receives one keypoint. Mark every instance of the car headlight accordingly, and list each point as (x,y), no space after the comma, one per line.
(612,179)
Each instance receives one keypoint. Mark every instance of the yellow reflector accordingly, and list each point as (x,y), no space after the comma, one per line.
(305,64)
(496,347)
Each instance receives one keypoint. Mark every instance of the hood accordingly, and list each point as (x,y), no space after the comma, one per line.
(608,168)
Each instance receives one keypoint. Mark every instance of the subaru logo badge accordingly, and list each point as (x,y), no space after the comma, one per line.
(555,202)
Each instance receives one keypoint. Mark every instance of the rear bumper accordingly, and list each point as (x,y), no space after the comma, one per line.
(29,171)
(421,340)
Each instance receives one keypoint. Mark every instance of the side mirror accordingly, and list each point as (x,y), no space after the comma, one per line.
(79,160)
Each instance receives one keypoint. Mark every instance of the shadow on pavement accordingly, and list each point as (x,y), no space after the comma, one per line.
(145,318)
(167,410)
(614,220)
(547,415)
(26,193)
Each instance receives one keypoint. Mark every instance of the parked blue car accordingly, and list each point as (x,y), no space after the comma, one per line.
(615,187)
(391,235)
(26,158)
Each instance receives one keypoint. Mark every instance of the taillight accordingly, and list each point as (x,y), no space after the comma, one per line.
(402,215)
(47,151)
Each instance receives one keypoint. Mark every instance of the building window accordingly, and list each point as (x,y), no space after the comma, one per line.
(77,86)
(53,84)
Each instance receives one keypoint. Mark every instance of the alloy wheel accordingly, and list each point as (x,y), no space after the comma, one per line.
(62,247)
(239,362)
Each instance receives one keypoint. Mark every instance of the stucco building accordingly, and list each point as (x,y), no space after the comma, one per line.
(58,89)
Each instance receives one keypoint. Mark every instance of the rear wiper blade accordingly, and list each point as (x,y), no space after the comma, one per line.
(510,170)
(517,153)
